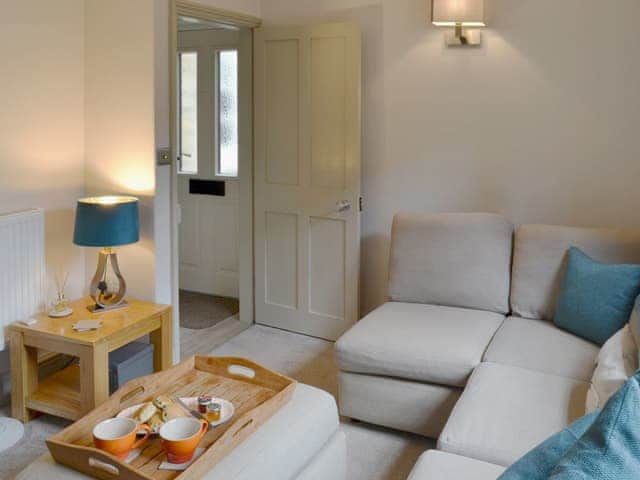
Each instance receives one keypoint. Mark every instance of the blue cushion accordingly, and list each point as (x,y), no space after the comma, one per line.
(596,299)
(540,462)
(610,448)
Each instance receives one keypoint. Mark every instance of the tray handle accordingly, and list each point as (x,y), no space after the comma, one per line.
(133,393)
(241,371)
(104,466)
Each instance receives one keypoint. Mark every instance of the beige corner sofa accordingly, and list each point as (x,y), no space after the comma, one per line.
(465,350)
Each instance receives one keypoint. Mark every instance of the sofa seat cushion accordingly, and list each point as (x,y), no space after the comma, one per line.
(505,411)
(540,345)
(279,450)
(427,343)
(437,465)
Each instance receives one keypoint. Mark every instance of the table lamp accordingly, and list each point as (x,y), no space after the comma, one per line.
(107,222)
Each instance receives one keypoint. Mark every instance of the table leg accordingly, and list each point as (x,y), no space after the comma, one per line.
(94,376)
(24,376)
(162,340)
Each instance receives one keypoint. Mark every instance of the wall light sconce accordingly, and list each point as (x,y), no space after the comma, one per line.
(462,15)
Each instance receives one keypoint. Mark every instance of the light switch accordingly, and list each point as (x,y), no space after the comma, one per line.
(163,156)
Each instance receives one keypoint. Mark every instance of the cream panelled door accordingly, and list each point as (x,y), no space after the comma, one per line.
(307,178)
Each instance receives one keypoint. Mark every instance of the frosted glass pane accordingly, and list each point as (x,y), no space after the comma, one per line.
(228,113)
(188,127)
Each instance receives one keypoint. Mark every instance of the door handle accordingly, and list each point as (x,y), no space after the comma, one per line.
(343,206)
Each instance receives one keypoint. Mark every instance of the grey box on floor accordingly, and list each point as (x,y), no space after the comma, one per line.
(131,361)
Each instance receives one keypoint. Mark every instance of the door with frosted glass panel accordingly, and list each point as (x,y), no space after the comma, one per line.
(209,92)
(307,178)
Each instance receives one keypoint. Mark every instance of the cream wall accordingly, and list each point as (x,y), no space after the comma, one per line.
(41,124)
(120,122)
(540,124)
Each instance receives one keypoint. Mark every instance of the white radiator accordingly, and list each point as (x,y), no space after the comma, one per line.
(22,267)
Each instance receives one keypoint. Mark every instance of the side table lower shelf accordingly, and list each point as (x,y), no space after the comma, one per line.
(58,394)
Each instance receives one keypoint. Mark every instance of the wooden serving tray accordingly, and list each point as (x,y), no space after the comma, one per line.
(256,392)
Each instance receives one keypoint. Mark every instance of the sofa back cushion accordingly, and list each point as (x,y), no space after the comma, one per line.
(540,254)
(457,260)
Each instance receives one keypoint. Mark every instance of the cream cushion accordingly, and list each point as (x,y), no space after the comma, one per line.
(505,411)
(540,345)
(458,260)
(616,362)
(427,343)
(539,256)
(436,465)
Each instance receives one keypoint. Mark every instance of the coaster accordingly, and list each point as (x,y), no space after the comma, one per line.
(11,431)
(133,455)
(87,325)
(181,466)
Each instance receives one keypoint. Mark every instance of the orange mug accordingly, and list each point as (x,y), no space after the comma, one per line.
(181,436)
(117,436)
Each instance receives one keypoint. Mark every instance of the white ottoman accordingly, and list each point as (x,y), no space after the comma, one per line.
(301,441)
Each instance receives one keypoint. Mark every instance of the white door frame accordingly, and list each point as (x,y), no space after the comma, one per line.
(245,167)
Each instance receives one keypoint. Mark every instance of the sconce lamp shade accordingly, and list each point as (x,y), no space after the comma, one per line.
(106,221)
(449,13)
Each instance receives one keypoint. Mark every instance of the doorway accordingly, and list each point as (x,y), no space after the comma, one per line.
(298,186)
(212,179)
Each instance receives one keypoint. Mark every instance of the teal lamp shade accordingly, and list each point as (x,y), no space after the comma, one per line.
(106,221)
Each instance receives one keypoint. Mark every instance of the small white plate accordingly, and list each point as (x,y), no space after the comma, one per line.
(63,313)
(192,403)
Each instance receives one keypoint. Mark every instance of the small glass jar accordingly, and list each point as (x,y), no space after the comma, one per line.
(203,403)
(214,412)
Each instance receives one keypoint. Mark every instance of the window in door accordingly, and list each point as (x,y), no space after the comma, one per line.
(227,112)
(188,112)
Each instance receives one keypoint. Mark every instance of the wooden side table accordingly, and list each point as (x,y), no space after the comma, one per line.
(79,388)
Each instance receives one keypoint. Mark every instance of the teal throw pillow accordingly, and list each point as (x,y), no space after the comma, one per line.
(610,448)
(540,462)
(596,299)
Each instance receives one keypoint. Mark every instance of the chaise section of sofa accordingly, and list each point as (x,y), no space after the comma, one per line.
(403,366)
(534,377)
(505,411)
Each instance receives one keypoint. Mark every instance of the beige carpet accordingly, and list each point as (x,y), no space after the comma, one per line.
(373,453)
(199,311)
